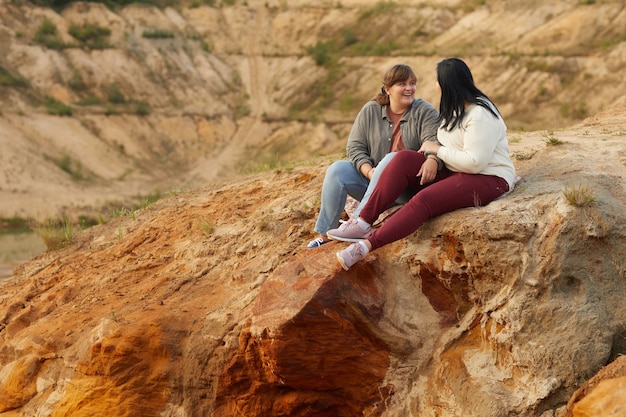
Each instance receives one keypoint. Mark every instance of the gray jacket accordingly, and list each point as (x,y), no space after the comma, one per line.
(370,137)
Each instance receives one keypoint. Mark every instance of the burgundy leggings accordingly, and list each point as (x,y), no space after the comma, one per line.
(449,191)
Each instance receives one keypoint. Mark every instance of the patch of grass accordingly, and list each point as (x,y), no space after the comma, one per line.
(205,47)
(68,165)
(8,79)
(144,202)
(57,108)
(115,316)
(90,101)
(550,139)
(241,110)
(86,222)
(323,52)
(157,34)
(77,83)
(142,108)
(56,234)
(13,225)
(91,35)
(522,156)
(48,36)
(263,224)
(111,111)
(579,195)
(124,212)
(147,201)
(115,95)
(206,227)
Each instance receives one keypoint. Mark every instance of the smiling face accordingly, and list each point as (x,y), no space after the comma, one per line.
(401,95)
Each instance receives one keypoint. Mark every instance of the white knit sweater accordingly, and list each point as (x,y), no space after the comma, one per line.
(478,146)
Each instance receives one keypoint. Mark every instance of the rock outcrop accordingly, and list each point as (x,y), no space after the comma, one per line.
(206,303)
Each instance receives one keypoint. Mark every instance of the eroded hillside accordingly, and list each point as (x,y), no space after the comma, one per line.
(176,98)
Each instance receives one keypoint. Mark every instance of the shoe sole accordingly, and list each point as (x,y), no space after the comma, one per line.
(347,239)
(341,261)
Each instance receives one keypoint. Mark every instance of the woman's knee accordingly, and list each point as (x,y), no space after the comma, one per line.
(339,169)
(406,158)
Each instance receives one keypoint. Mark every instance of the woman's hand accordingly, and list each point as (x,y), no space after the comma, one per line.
(428,171)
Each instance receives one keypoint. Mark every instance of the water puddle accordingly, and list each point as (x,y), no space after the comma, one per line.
(17,248)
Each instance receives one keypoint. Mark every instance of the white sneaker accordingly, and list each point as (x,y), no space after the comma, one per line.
(350,231)
(351,255)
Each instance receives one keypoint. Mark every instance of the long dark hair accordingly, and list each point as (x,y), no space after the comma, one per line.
(397,73)
(457,88)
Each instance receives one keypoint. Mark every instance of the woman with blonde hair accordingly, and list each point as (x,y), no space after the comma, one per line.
(392,121)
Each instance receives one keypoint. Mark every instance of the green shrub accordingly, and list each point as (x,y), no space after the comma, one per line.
(90,101)
(57,108)
(56,234)
(115,95)
(323,53)
(77,83)
(9,79)
(91,35)
(68,165)
(142,108)
(48,36)
(157,34)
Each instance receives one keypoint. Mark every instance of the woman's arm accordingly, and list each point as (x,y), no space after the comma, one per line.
(470,147)
(366,146)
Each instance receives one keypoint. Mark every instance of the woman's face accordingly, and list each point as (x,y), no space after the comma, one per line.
(402,93)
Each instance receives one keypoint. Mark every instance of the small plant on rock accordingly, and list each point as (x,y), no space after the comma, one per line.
(550,140)
(579,195)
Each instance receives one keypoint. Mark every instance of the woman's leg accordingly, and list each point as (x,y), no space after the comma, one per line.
(399,174)
(457,190)
(370,188)
(341,179)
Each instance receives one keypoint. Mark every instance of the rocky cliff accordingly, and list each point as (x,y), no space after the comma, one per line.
(206,304)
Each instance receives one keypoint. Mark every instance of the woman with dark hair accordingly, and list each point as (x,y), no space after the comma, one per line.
(392,121)
(478,168)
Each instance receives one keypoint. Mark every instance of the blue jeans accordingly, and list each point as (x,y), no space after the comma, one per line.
(342,179)
(404,197)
